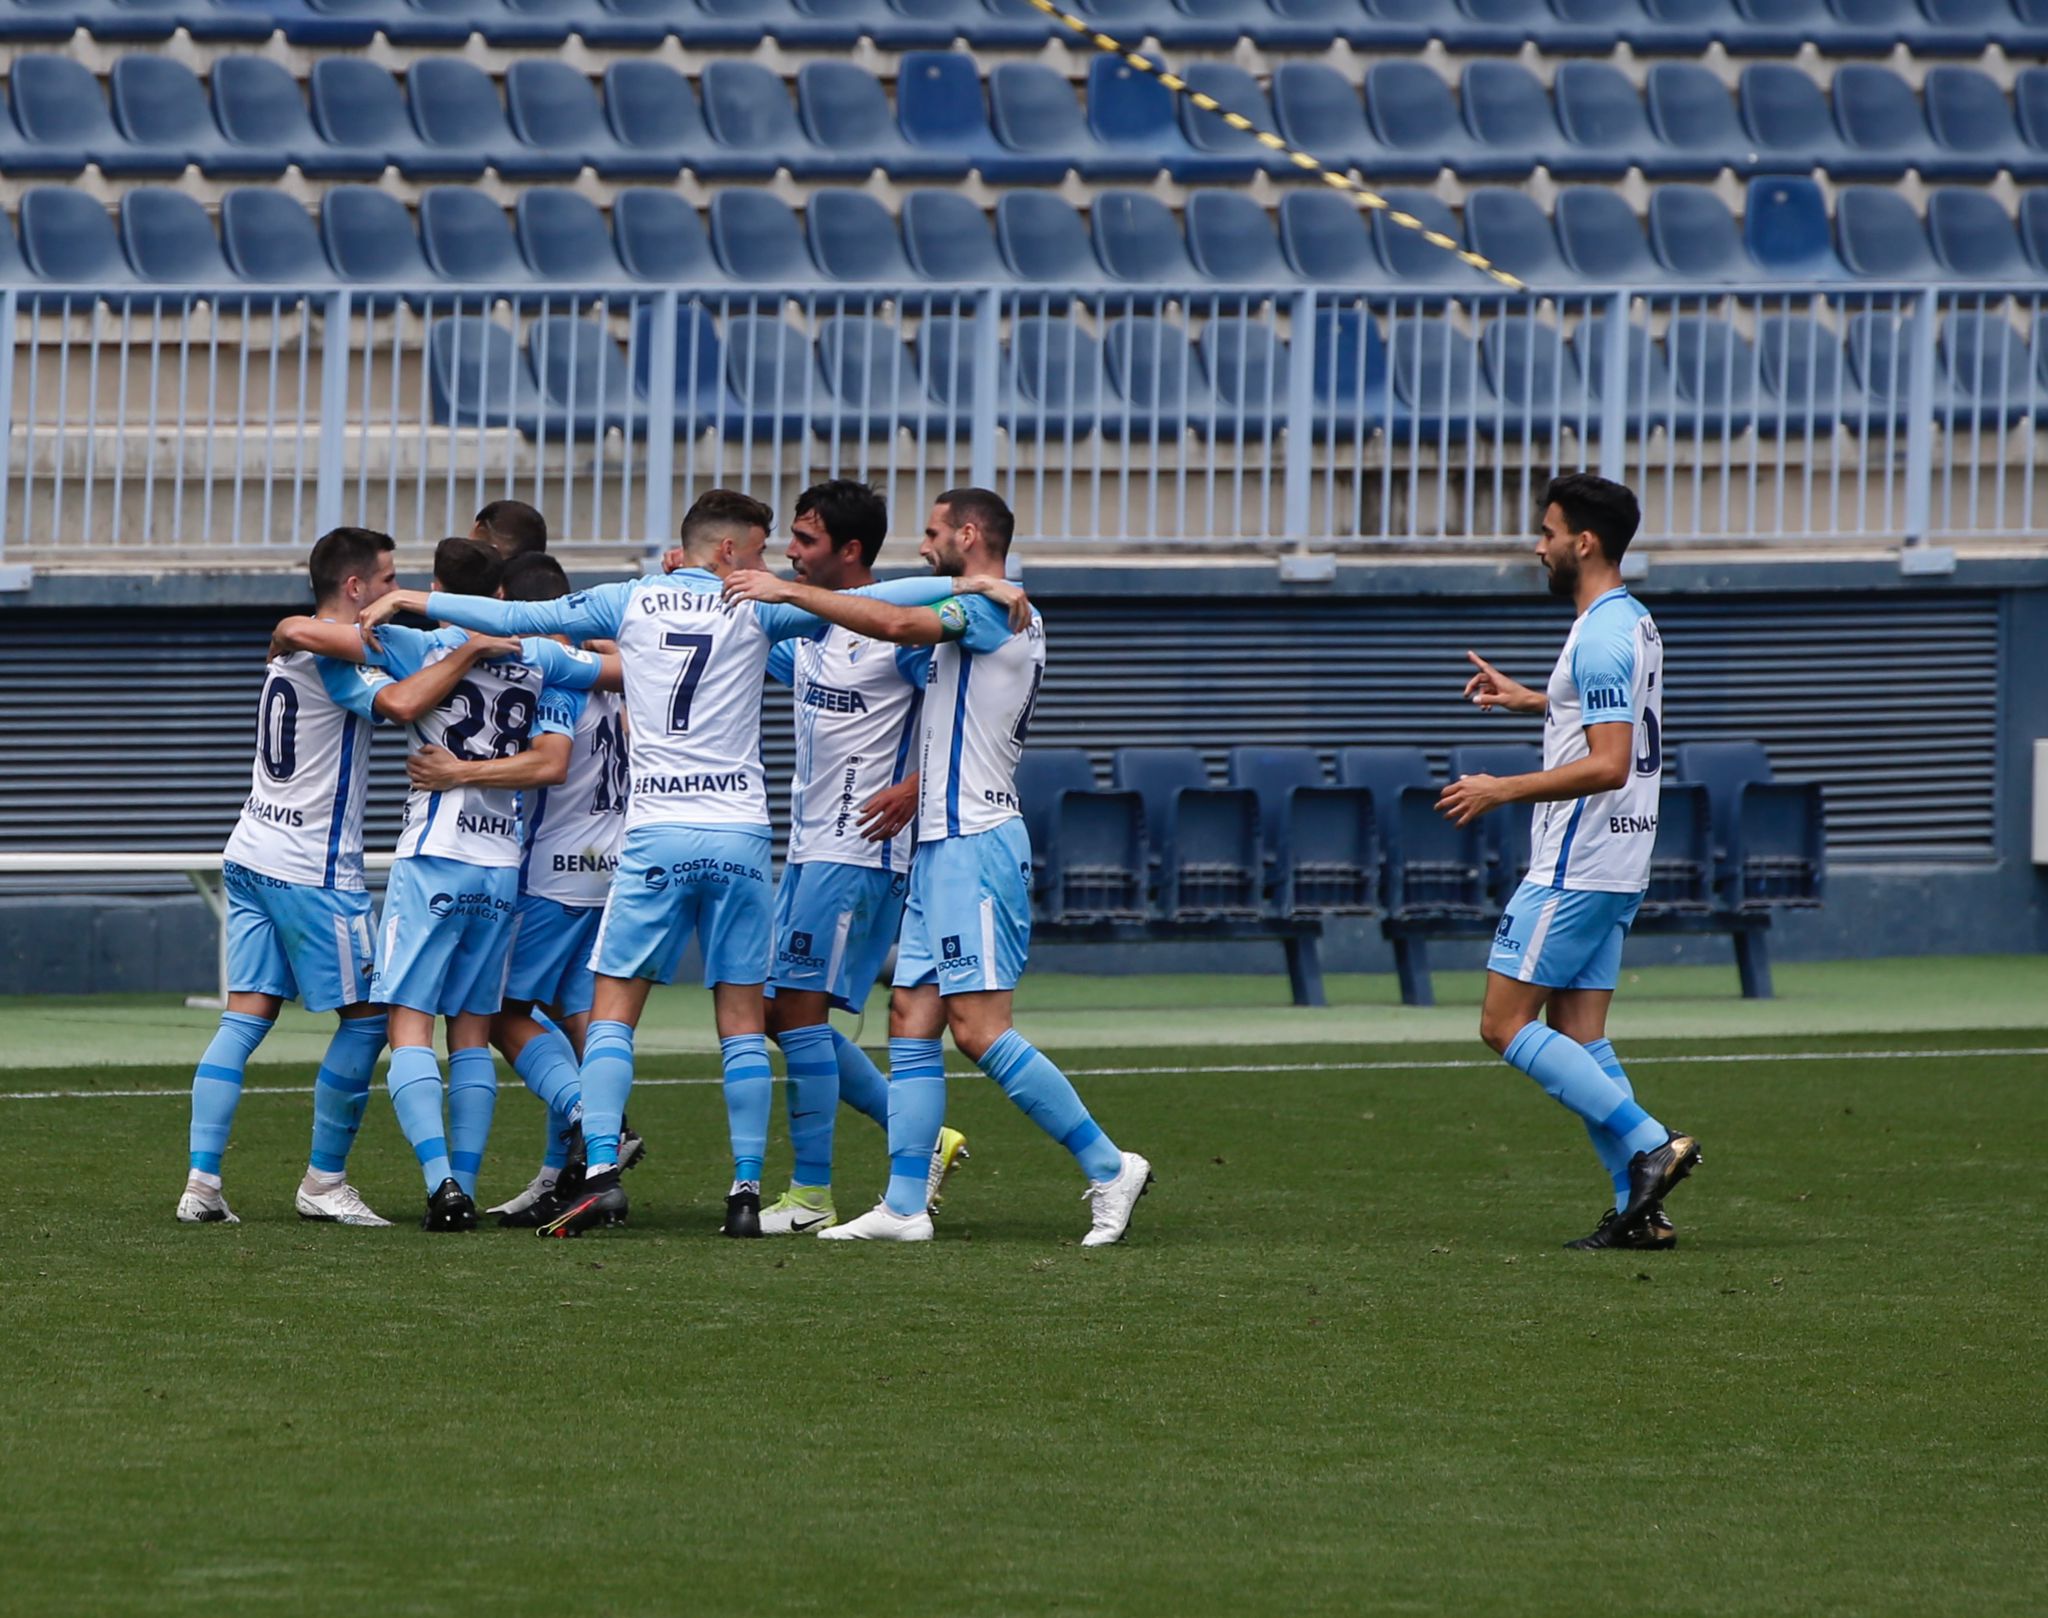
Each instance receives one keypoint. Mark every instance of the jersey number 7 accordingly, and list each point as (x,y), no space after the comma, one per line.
(696,650)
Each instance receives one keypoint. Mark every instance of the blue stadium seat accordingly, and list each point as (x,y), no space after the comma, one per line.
(1960,25)
(1044,774)
(537,22)
(1713,373)
(1768,835)
(1230,238)
(403,22)
(773,376)
(1246,367)
(1681,854)
(160,109)
(1438,384)
(759,242)
(754,128)
(1321,848)
(1155,390)
(1693,235)
(702,399)
(872,386)
(1045,241)
(1132,118)
(2034,228)
(563,238)
(462,127)
(1204,838)
(1503,836)
(1058,374)
(1351,381)
(1505,225)
(941,108)
(1434,870)
(1606,127)
(1986,367)
(660,238)
(1319,113)
(948,238)
(476,376)
(1974,238)
(370,239)
(67,237)
(946,367)
(1880,364)
(466,238)
(1881,123)
(1040,128)
(359,113)
(1973,127)
(264,121)
(844,108)
(64,123)
(1804,382)
(2030,107)
(1695,120)
(168,238)
(1088,846)
(1601,240)
(1415,122)
(1136,239)
(1410,260)
(1534,380)
(654,116)
(1328,241)
(1385,772)
(1649,393)
(554,109)
(1785,229)
(1226,152)
(1789,125)
(853,238)
(1512,122)
(584,378)
(1880,237)
(267,237)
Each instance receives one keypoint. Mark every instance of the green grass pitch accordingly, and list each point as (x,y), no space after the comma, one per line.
(1341,1366)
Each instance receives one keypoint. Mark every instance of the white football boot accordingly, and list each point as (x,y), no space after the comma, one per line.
(947,1156)
(878,1224)
(338,1204)
(536,1188)
(1114,1201)
(204,1205)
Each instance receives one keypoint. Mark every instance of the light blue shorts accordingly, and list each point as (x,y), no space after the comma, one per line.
(968,923)
(676,882)
(1563,938)
(448,933)
(551,954)
(834,927)
(313,945)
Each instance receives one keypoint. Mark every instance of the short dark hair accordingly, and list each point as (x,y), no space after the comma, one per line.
(985,509)
(515,528)
(729,505)
(342,554)
(1598,506)
(850,511)
(534,577)
(467,567)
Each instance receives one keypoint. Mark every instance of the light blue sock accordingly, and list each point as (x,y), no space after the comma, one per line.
(1030,1079)
(917,1109)
(414,1080)
(547,1063)
(813,1092)
(1613,1155)
(861,1085)
(607,1081)
(749,1098)
(341,1090)
(217,1085)
(472,1098)
(1568,1074)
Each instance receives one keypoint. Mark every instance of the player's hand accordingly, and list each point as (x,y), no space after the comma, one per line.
(489,648)
(282,641)
(672,559)
(434,769)
(1490,689)
(384,609)
(889,811)
(1469,797)
(758,584)
(1010,597)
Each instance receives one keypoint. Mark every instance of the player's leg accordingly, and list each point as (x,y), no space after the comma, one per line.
(548,1063)
(415,951)
(334,960)
(797,1021)
(474,995)
(735,934)
(259,982)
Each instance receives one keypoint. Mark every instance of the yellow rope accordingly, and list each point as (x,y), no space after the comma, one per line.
(1273,143)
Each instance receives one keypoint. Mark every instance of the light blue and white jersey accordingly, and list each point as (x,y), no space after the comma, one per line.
(694,663)
(1611,672)
(494,712)
(573,830)
(858,703)
(980,691)
(303,819)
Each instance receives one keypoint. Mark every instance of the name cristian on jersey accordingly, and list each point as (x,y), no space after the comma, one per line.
(653,603)
(724,781)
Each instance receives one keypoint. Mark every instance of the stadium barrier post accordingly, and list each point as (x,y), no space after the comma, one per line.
(1301,405)
(1920,417)
(10,578)
(988,359)
(334,362)
(659,508)
(1614,389)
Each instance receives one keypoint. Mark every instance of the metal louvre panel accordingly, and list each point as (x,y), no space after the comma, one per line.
(134,728)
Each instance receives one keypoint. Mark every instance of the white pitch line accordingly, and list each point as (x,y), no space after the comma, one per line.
(1702,1058)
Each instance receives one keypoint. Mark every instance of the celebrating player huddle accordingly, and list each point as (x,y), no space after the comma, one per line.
(519,777)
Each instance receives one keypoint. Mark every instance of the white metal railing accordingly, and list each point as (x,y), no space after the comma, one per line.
(235,423)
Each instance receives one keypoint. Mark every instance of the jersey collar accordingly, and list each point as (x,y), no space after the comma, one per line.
(1620,591)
